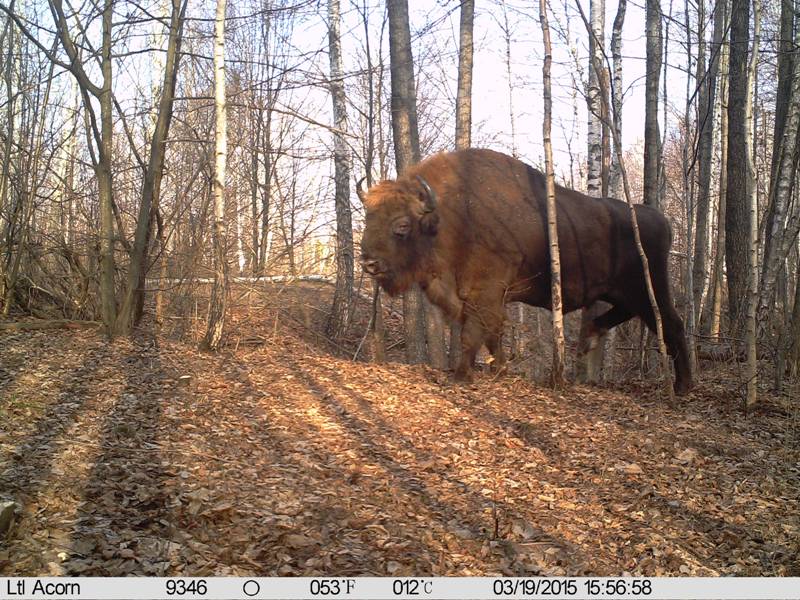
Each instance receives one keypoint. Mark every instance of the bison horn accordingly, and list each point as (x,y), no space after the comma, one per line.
(430,196)
(362,195)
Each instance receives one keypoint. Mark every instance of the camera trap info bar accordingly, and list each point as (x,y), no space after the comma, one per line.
(384,588)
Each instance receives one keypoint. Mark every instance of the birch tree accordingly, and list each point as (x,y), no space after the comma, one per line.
(688,185)
(752,280)
(590,360)
(707,80)
(615,175)
(557,373)
(594,102)
(717,275)
(219,292)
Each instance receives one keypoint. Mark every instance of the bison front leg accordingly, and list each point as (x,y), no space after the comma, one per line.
(472,335)
(481,325)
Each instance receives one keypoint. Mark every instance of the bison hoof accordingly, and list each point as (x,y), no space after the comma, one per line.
(498,368)
(461,376)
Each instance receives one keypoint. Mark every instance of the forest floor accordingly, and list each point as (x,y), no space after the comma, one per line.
(276,457)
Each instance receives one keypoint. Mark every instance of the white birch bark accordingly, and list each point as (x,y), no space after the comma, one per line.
(750,330)
(557,373)
(615,177)
(219,293)
(594,151)
(591,352)
(719,252)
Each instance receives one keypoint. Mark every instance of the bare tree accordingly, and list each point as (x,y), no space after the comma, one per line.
(463,124)
(506,26)
(717,276)
(590,360)
(707,80)
(652,138)
(219,293)
(752,275)
(465,61)
(739,181)
(376,330)
(339,319)
(615,177)
(776,245)
(557,373)
(133,301)
(420,319)
(688,179)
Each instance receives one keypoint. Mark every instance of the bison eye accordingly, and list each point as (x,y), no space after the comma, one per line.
(402,227)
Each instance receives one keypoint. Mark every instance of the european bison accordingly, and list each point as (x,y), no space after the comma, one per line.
(471,228)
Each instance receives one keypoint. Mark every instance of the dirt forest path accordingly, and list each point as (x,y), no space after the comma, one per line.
(151,458)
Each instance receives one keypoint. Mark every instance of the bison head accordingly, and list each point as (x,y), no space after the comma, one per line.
(400,225)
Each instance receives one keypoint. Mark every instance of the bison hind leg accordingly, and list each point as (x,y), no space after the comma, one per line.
(675,340)
(593,338)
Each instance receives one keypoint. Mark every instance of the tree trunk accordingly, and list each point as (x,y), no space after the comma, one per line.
(752,280)
(6,232)
(717,275)
(793,358)
(464,92)
(590,360)
(377,333)
(615,177)
(219,293)
(339,320)
(786,64)
(707,79)
(737,216)
(406,147)
(132,305)
(652,140)
(594,103)
(781,186)
(105,181)
(557,374)
(507,31)
(102,136)
(688,187)
(518,313)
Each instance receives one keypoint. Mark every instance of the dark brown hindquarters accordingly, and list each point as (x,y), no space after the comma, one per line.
(633,300)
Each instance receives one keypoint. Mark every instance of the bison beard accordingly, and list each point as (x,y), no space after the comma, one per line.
(471,228)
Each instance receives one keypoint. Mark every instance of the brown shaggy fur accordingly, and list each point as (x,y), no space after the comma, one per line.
(486,244)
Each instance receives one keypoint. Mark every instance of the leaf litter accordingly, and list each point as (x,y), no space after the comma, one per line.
(147,457)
